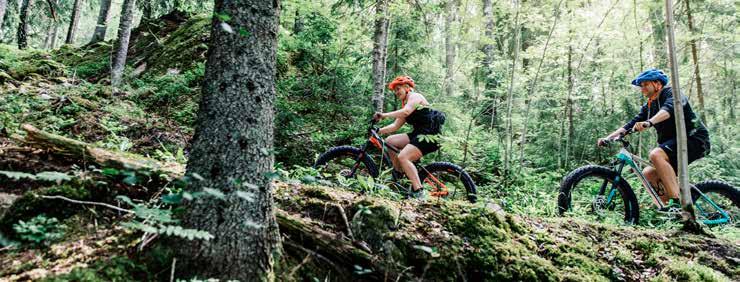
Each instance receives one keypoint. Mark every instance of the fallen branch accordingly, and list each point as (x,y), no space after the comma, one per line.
(88,203)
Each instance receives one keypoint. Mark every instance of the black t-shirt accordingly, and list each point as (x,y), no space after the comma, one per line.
(667,128)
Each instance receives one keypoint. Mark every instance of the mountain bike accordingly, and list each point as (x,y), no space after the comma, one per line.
(603,192)
(443,180)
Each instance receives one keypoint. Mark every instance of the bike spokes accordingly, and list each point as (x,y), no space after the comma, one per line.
(595,197)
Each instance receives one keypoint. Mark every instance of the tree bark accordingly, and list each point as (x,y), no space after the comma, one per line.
(102,26)
(695,57)
(24,25)
(3,8)
(232,148)
(450,44)
(74,22)
(379,53)
(124,34)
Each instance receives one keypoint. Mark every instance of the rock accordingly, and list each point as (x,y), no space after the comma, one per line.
(6,200)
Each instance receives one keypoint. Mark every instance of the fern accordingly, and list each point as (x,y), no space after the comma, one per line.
(17,175)
(51,176)
(156,220)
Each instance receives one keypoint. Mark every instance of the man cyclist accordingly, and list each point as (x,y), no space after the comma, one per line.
(658,112)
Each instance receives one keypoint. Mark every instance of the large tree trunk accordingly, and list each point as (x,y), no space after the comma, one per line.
(23,25)
(232,149)
(102,26)
(73,22)
(695,57)
(379,53)
(450,44)
(124,34)
(3,8)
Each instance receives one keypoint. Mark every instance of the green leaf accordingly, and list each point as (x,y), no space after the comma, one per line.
(222,17)
(214,192)
(243,32)
(110,172)
(17,175)
(126,200)
(54,176)
(172,198)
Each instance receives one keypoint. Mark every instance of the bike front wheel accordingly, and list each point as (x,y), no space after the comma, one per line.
(448,181)
(597,192)
(342,162)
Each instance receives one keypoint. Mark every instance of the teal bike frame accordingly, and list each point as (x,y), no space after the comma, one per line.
(625,158)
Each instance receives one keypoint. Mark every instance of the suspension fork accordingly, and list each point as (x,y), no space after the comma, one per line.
(613,189)
(358,160)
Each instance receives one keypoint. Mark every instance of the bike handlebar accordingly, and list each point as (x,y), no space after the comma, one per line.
(620,139)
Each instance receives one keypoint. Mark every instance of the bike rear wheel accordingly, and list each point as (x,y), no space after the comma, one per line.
(448,181)
(595,192)
(338,162)
(724,195)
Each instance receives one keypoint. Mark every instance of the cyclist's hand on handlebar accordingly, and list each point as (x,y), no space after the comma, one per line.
(640,126)
(378,116)
(602,142)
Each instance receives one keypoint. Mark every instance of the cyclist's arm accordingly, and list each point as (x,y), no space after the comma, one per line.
(409,108)
(642,116)
(616,133)
(661,116)
(393,126)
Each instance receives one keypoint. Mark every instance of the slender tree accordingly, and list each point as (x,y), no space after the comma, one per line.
(74,21)
(695,58)
(124,34)
(380,47)
(683,153)
(659,34)
(510,99)
(450,44)
(490,82)
(232,148)
(3,8)
(24,25)
(102,25)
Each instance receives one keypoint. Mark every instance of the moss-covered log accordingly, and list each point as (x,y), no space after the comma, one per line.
(86,152)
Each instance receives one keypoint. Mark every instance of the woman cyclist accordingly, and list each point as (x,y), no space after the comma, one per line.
(424,120)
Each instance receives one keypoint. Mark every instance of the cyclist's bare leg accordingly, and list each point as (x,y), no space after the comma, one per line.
(406,158)
(399,141)
(652,176)
(665,171)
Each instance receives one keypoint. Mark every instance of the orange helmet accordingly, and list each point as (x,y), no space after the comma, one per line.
(403,79)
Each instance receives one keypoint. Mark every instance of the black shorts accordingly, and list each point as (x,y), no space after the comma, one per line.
(697,150)
(424,146)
